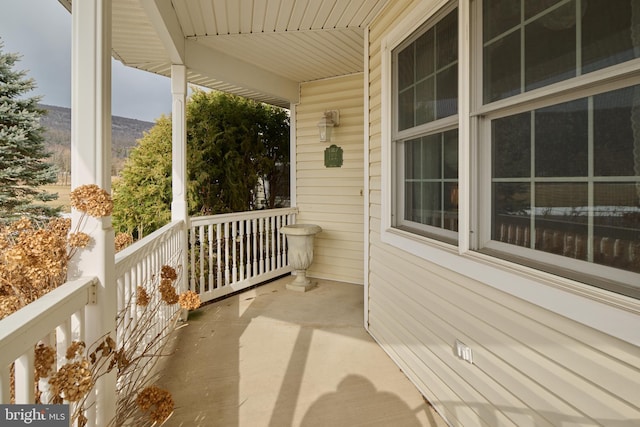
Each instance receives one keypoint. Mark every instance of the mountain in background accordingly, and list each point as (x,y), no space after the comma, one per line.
(57,124)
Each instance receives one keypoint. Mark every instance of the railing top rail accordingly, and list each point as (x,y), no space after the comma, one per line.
(20,330)
(237,216)
(130,255)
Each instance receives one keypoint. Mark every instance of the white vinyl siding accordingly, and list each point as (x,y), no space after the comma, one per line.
(331,197)
(533,365)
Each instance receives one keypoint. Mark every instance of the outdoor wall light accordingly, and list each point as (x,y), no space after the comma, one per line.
(330,120)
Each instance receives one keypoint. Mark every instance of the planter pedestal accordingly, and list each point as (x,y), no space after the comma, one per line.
(300,250)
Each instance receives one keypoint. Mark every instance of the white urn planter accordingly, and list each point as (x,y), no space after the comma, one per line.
(300,249)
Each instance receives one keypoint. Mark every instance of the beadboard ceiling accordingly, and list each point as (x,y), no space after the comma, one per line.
(261,49)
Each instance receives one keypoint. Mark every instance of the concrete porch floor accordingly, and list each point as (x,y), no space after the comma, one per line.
(278,358)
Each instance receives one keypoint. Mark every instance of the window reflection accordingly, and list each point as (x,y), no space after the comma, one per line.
(566,179)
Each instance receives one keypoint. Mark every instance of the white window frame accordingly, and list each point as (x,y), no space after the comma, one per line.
(585,271)
(618,76)
(406,240)
(610,313)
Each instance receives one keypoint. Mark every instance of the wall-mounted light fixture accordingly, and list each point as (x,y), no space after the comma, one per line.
(330,120)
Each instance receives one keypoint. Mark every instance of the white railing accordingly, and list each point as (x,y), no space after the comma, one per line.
(56,320)
(231,252)
(140,265)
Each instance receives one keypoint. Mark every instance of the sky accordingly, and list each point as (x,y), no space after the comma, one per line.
(40,31)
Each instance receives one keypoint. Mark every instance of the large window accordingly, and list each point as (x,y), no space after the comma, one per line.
(425,136)
(564,165)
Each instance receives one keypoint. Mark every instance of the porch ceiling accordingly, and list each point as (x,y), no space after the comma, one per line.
(261,49)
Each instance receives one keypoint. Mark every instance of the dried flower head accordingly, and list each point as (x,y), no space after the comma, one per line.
(168,292)
(189,300)
(122,240)
(75,349)
(158,402)
(142,297)
(9,304)
(21,225)
(92,200)
(45,356)
(168,272)
(60,226)
(79,240)
(72,381)
(33,263)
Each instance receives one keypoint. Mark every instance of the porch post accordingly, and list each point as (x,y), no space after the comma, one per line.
(179,209)
(179,142)
(91,164)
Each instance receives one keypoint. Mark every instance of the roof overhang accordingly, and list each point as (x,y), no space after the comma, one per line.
(259,49)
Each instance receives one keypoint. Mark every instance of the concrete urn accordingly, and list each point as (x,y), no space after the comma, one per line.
(300,244)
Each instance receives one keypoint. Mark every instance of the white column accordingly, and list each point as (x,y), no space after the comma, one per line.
(91,164)
(179,208)
(293,162)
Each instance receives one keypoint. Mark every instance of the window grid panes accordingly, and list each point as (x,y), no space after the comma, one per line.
(566,179)
(425,73)
(531,44)
(430,180)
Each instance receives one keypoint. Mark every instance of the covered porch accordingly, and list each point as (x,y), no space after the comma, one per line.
(269,57)
(257,354)
(273,357)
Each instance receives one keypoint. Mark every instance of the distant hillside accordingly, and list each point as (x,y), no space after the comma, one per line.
(57,123)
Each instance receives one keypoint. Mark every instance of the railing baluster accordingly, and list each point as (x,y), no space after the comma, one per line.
(248,248)
(210,246)
(219,257)
(43,383)
(78,325)
(267,245)
(254,229)
(234,233)
(261,238)
(129,298)
(201,239)
(273,243)
(242,224)
(278,242)
(5,385)
(63,340)
(226,254)
(192,277)
(24,377)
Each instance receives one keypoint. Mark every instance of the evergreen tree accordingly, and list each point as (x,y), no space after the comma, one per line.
(232,143)
(273,163)
(142,194)
(23,168)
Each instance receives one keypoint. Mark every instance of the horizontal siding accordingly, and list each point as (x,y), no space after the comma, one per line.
(332,197)
(531,367)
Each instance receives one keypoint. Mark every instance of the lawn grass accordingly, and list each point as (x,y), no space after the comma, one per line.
(63,196)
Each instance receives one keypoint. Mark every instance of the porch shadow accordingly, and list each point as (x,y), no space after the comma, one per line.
(272,357)
(357,402)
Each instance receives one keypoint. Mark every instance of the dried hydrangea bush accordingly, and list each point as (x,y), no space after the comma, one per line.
(34,257)
(34,260)
(133,358)
(141,403)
